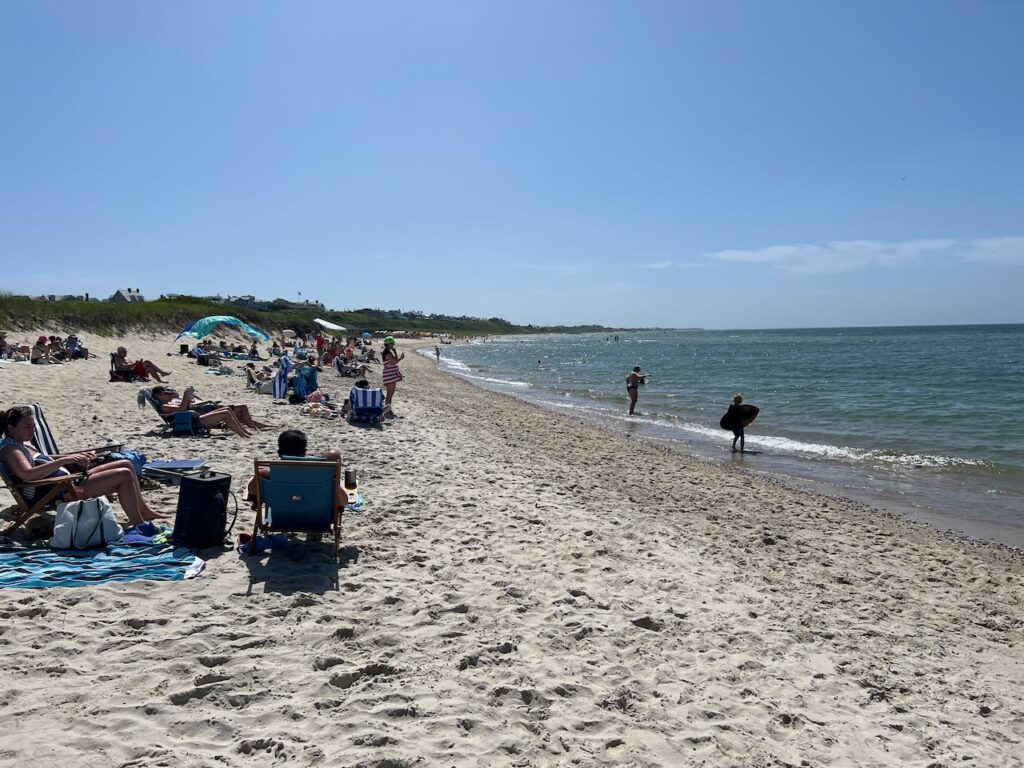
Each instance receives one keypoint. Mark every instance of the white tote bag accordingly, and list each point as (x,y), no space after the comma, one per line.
(85,524)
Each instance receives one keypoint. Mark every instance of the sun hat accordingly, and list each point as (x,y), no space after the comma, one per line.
(389,339)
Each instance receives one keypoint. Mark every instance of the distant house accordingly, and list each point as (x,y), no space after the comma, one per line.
(305,304)
(61,297)
(250,302)
(126,296)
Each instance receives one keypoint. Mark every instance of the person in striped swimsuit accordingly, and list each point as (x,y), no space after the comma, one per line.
(391,374)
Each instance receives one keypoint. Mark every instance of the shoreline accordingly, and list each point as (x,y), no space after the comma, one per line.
(943,501)
(522,588)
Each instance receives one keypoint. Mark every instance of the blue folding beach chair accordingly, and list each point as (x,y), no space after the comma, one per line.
(300,495)
(367,405)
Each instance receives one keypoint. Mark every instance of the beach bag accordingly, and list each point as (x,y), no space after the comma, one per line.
(86,524)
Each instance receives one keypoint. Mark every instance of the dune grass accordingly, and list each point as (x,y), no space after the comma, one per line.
(107,319)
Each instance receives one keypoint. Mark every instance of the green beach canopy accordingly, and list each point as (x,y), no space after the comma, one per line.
(204,325)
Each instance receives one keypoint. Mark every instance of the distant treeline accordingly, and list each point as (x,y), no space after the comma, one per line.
(107,319)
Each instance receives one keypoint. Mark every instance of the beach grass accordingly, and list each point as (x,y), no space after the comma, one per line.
(111,319)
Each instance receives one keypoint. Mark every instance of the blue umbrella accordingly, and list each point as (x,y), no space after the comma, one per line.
(366,334)
(204,325)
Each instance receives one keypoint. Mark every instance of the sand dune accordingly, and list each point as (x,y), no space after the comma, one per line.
(521,589)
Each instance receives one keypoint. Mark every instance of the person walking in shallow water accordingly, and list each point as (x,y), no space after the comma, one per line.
(633,382)
(734,417)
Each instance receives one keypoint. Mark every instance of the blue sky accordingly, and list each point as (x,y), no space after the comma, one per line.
(727,164)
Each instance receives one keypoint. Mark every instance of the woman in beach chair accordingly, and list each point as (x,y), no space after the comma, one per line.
(139,368)
(25,467)
(235,417)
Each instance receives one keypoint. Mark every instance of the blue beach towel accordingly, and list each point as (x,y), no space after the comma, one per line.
(37,568)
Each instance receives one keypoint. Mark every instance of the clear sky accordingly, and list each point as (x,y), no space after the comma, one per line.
(715,164)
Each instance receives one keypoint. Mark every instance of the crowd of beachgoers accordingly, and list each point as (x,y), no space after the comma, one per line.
(519,588)
(289,369)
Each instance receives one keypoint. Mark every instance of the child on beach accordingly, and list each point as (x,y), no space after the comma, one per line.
(734,417)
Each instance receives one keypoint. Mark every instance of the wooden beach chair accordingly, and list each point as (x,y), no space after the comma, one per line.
(26,509)
(300,495)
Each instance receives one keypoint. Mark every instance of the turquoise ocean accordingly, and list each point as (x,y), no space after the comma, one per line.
(927,422)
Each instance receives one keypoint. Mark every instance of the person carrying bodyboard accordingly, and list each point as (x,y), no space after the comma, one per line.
(737,418)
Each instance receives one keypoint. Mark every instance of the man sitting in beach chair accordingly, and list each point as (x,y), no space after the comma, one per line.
(298,493)
(140,370)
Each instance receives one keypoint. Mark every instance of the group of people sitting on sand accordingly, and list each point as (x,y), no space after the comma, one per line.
(23,462)
(47,350)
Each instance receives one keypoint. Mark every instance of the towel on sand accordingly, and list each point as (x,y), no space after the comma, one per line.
(35,567)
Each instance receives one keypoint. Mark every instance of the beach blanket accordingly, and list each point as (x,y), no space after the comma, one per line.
(37,568)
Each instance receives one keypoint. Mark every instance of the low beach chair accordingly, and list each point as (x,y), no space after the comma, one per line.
(367,405)
(183,423)
(300,496)
(28,508)
(125,376)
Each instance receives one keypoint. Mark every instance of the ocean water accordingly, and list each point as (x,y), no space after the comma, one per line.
(927,422)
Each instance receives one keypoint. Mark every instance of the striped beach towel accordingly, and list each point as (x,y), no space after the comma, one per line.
(281,379)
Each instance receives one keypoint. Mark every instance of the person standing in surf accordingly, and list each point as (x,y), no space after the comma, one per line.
(734,417)
(633,382)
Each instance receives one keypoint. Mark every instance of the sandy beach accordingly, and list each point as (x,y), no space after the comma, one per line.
(521,589)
